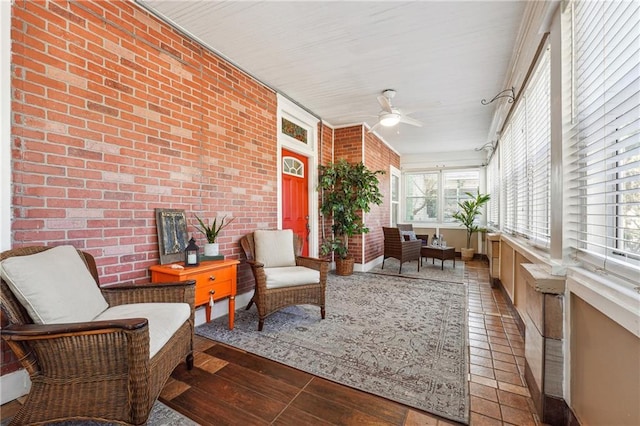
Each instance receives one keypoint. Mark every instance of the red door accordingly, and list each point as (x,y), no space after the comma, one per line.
(295,196)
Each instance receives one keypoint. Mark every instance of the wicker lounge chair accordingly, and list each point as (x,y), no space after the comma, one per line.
(395,246)
(108,369)
(282,276)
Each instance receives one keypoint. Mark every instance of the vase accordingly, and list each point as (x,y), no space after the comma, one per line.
(211,249)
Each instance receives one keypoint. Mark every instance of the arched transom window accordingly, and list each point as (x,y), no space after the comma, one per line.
(292,166)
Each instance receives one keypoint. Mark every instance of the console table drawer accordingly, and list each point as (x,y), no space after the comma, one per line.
(218,276)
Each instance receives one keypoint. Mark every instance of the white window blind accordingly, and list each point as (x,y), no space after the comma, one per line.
(508,194)
(493,185)
(605,148)
(525,150)
(538,104)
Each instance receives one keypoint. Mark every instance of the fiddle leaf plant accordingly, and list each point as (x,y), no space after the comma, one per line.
(347,191)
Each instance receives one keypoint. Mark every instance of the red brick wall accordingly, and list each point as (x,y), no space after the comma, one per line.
(378,156)
(348,145)
(326,156)
(115,114)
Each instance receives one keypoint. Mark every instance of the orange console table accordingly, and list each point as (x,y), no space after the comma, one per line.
(215,279)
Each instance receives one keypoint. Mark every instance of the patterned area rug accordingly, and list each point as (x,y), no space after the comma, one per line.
(402,339)
(429,269)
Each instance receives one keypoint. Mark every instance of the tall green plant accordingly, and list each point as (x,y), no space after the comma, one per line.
(469,210)
(347,190)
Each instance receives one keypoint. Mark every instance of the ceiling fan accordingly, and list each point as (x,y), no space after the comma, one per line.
(389,116)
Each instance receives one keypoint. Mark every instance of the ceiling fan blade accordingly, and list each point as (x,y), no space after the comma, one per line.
(409,120)
(385,103)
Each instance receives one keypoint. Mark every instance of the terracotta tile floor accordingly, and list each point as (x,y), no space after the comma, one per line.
(499,395)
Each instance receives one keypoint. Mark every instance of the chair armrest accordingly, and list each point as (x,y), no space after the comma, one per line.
(169,292)
(50,331)
(255,264)
(258,274)
(55,350)
(312,262)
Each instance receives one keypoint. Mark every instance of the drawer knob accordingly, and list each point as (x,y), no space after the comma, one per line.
(212,277)
(212,292)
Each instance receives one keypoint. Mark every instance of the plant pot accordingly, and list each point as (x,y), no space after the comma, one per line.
(211,249)
(467,253)
(344,266)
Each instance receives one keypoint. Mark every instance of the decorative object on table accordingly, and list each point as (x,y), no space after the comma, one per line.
(192,254)
(373,339)
(283,277)
(216,257)
(346,190)
(211,234)
(171,225)
(469,210)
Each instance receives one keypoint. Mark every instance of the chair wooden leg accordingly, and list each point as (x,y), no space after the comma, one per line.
(322,311)
(400,269)
(383,263)
(251,302)
(190,361)
(260,324)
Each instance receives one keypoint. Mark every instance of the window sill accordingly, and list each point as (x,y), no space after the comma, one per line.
(611,296)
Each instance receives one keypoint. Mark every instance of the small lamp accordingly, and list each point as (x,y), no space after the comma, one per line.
(191,255)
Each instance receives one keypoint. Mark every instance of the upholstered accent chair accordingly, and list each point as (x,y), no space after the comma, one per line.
(283,277)
(92,353)
(397,247)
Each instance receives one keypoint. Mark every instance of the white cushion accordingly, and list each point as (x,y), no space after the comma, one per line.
(54,286)
(274,248)
(410,235)
(164,319)
(290,276)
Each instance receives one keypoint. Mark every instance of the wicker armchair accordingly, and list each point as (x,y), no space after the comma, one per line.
(98,370)
(302,282)
(395,246)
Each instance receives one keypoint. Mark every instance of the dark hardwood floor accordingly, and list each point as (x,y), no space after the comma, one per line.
(232,387)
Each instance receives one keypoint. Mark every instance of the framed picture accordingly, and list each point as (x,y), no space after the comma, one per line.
(172,234)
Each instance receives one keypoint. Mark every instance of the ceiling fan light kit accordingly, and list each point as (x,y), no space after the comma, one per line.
(389,119)
(390,116)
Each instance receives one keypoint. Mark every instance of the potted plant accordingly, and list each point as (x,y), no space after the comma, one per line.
(211,234)
(347,190)
(469,210)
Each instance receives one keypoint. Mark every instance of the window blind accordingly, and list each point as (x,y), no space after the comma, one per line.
(538,104)
(605,147)
(525,151)
(493,184)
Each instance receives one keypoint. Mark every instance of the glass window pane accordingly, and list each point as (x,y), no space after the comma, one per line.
(421,200)
(456,185)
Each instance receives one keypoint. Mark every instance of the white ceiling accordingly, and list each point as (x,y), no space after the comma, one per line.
(335,57)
